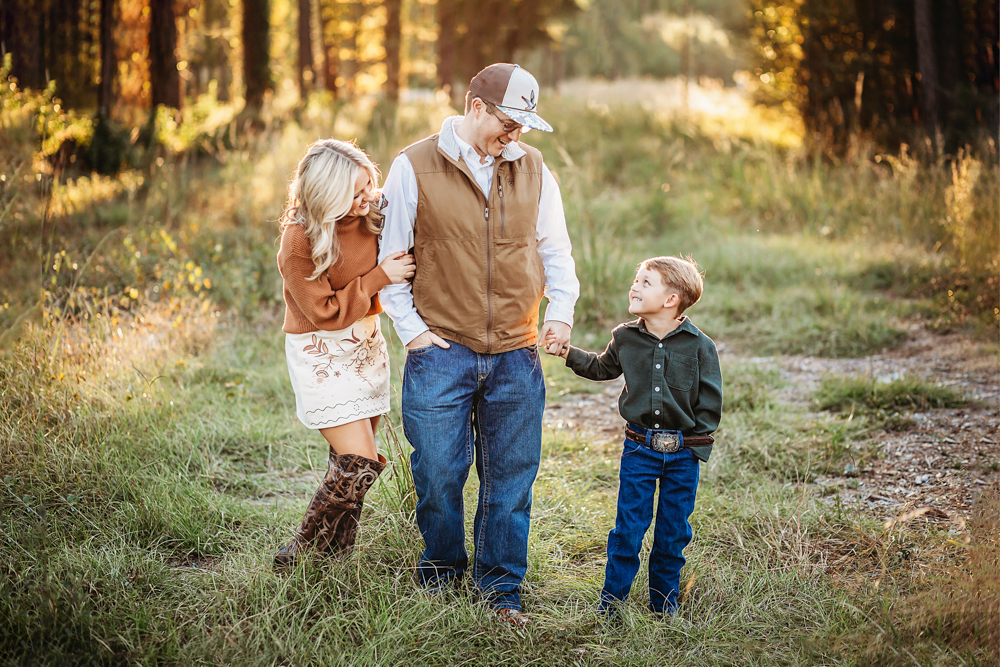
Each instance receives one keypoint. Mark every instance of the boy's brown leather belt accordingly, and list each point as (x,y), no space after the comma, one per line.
(666,442)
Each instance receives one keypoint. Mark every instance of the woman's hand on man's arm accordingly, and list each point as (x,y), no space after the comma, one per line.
(399,267)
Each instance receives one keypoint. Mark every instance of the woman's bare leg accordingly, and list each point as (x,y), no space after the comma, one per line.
(353,438)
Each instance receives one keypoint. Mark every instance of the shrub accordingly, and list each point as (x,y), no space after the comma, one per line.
(868,394)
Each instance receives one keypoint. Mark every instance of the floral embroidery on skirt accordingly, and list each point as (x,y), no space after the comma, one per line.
(339,376)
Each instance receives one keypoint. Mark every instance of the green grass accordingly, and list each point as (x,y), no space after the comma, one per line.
(750,386)
(765,294)
(141,529)
(632,178)
(849,394)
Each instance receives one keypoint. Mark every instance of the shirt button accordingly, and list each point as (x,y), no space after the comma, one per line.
(657,365)
(656,425)
(656,412)
(659,345)
(656,389)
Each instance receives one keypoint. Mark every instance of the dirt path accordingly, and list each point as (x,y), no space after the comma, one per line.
(939,466)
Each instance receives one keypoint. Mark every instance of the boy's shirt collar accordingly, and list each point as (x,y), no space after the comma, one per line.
(685,325)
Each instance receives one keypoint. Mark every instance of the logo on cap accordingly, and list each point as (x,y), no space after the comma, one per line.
(529,104)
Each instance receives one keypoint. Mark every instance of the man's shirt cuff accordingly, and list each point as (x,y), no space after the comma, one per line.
(409,327)
(560,312)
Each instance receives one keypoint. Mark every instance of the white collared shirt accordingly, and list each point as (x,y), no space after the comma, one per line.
(561,285)
(483,171)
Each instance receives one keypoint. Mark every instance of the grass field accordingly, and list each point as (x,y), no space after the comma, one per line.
(152,462)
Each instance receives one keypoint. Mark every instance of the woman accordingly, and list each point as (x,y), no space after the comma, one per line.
(337,359)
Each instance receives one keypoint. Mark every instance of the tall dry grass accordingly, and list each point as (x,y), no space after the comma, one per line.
(959,607)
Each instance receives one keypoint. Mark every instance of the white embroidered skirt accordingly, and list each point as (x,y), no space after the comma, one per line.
(339,376)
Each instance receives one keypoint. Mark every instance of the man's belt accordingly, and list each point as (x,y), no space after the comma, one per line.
(666,442)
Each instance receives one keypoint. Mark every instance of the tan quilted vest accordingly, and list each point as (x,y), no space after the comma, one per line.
(479,277)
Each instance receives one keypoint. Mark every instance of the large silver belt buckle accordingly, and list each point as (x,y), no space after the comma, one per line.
(666,443)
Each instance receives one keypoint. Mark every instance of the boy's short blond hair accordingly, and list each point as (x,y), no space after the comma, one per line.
(680,274)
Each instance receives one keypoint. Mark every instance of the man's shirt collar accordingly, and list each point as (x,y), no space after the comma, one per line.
(470,155)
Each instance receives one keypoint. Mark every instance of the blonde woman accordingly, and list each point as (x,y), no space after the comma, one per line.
(337,359)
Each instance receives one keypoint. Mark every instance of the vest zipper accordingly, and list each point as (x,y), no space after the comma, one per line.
(489,283)
(503,213)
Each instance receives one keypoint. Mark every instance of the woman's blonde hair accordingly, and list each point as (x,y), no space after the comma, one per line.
(322,193)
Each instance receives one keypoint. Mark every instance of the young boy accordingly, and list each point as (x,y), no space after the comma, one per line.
(671,402)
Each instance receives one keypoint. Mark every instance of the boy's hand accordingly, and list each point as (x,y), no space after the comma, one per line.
(555,338)
(561,351)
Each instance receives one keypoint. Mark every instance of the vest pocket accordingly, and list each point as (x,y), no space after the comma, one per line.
(449,289)
(681,372)
(422,278)
(518,271)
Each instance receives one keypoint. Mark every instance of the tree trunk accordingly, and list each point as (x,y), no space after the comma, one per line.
(949,46)
(927,64)
(686,56)
(69,61)
(47,40)
(164,80)
(393,16)
(350,67)
(305,48)
(483,41)
(512,40)
(256,56)
(21,33)
(105,89)
(215,61)
(256,45)
(330,20)
(446,44)
(558,67)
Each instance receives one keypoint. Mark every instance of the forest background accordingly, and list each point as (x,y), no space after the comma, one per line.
(832,166)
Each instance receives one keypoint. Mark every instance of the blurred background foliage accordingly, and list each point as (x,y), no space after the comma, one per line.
(840,120)
(879,68)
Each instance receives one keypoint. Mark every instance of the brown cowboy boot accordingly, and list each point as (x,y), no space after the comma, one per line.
(356,476)
(330,524)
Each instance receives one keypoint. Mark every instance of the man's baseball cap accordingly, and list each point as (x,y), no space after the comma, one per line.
(512,90)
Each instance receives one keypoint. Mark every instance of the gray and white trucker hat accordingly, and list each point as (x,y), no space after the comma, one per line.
(512,90)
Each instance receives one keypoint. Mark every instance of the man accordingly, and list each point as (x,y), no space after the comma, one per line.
(485,220)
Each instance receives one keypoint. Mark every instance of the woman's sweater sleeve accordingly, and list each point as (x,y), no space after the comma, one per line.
(325,308)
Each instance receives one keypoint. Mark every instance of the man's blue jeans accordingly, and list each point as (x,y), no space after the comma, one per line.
(641,469)
(460,408)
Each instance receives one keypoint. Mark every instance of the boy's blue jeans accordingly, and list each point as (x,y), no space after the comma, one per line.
(641,469)
(460,408)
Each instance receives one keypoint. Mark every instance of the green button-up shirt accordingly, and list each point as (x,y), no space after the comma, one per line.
(673,382)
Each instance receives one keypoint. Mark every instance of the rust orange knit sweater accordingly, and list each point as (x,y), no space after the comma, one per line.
(348,291)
